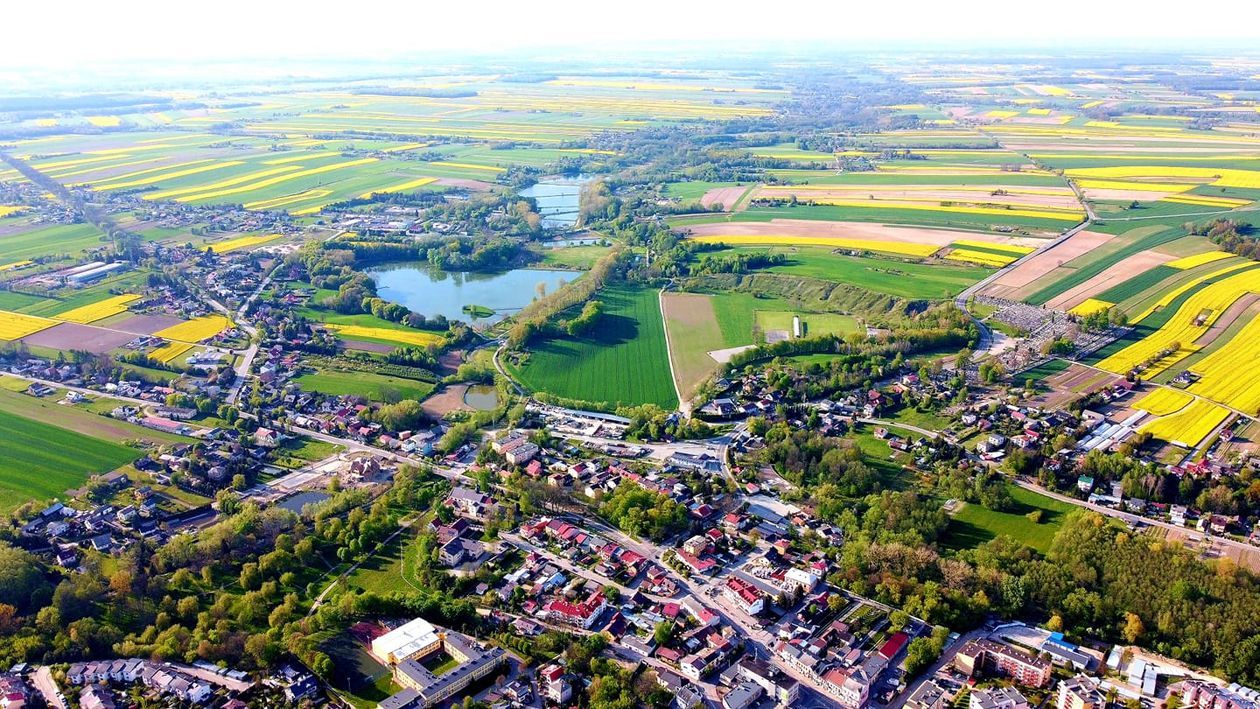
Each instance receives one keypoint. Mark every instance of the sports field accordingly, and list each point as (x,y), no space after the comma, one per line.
(623,361)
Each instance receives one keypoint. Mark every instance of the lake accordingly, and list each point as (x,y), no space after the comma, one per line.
(557,199)
(431,291)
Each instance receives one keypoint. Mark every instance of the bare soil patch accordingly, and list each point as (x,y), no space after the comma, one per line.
(444,402)
(1046,261)
(725,196)
(146,324)
(368,346)
(1117,274)
(73,336)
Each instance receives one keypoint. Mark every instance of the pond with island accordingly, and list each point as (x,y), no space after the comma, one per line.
(480,298)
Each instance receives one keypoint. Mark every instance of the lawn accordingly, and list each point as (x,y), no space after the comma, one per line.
(39,461)
(624,361)
(574,257)
(378,387)
(813,324)
(881,275)
(974,525)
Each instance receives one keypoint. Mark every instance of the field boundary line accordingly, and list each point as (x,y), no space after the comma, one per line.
(683,404)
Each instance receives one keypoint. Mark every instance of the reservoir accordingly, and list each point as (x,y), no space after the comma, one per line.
(431,291)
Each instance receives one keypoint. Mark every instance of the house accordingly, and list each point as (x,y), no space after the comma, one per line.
(266,438)
(583,614)
(469,503)
(744,595)
(553,685)
(850,688)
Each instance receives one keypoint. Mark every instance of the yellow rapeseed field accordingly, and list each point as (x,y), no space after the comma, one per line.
(1198,259)
(195,330)
(170,351)
(14,326)
(1231,374)
(150,179)
(1001,114)
(287,199)
(134,174)
(1089,306)
(261,184)
(15,264)
(99,310)
(1204,201)
(1173,294)
(311,155)
(983,258)
(1010,248)
(409,185)
(1221,177)
(1187,325)
(415,338)
(1190,425)
(8,209)
(1163,401)
(104,121)
(175,192)
(889,247)
(241,242)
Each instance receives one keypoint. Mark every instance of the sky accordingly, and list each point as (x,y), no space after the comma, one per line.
(93,33)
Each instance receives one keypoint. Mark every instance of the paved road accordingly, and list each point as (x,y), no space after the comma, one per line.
(47,687)
(1130,518)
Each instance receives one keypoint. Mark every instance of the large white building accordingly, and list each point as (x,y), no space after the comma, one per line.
(418,637)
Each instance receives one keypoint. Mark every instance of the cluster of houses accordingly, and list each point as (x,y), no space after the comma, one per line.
(14,692)
(185,684)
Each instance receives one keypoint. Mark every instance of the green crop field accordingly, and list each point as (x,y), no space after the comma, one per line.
(1137,284)
(1085,267)
(974,525)
(39,461)
(69,239)
(378,387)
(889,276)
(623,361)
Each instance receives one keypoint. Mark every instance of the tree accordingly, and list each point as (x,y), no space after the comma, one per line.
(21,583)
(1133,628)
(663,633)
